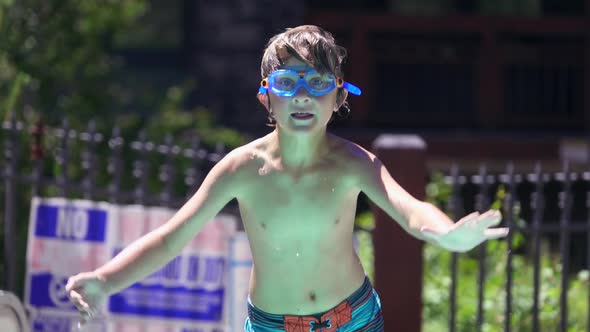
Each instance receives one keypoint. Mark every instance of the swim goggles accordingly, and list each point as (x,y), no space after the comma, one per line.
(286,82)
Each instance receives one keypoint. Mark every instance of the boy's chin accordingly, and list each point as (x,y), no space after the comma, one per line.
(302,127)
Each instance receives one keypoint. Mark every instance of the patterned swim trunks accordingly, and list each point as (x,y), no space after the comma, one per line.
(359,312)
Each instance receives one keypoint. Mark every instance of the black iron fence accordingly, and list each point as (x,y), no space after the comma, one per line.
(43,161)
(549,216)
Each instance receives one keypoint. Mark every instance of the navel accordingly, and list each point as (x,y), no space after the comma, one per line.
(312,296)
(337,221)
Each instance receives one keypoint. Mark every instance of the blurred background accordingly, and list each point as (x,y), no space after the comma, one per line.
(481,82)
(474,77)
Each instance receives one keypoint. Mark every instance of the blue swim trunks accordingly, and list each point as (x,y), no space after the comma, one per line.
(361,311)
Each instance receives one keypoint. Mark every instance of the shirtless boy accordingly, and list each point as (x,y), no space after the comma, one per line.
(297,189)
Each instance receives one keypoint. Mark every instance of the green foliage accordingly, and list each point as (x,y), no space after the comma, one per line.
(366,252)
(437,191)
(54,55)
(173,118)
(56,61)
(437,282)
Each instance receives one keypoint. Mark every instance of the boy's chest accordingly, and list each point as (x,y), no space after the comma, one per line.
(321,196)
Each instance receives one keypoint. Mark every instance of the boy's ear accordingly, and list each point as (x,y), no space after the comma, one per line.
(263,99)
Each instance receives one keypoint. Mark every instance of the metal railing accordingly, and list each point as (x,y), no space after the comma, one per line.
(554,205)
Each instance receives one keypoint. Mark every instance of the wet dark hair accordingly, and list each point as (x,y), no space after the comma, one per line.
(307,43)
(310,44)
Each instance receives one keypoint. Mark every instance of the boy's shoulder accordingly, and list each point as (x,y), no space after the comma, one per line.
(362,165)
(246,154)
(351,151)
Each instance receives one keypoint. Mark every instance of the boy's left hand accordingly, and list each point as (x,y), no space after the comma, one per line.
(468,232)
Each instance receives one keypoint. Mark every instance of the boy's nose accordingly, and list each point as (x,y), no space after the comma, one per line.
(301,96)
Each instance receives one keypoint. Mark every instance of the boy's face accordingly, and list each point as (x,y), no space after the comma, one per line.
(302,112)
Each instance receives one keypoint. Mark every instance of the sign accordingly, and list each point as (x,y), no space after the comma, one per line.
(188,294)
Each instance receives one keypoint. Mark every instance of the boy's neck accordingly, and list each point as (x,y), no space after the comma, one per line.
(299,151)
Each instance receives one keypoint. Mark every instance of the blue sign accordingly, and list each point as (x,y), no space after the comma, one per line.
(67,236)
(70,222)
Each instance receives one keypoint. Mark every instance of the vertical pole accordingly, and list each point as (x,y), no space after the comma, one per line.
(89,160)
(538,206)
(455,207)
(167,171)
(509,217)
(63,159)
(483,204)
(140,169)
(565,204)
(10,151)
(115,165)
(193,175)
(398,256)
(37,156)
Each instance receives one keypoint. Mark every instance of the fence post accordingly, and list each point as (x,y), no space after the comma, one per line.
(10,209)
(398,256)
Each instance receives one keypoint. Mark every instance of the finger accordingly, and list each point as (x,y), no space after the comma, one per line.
(93,312)
(490,212)
(491,219)
(78,299)
(467,219)
(87,314)
(429,233)
(435,230)
(71,284)
(496,233)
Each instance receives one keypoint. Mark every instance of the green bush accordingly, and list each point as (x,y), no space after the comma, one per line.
(366,253)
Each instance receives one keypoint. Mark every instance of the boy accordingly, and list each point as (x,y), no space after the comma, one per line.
(297,189)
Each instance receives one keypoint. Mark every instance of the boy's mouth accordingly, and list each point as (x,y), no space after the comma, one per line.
(302,115)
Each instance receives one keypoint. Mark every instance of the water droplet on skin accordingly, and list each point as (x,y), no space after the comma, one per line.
(332,189)
(297,254)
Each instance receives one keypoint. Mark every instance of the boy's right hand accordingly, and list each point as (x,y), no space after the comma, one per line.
(87,291)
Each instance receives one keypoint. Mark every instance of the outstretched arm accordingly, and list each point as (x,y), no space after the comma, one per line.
(421,219)
(156,248)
